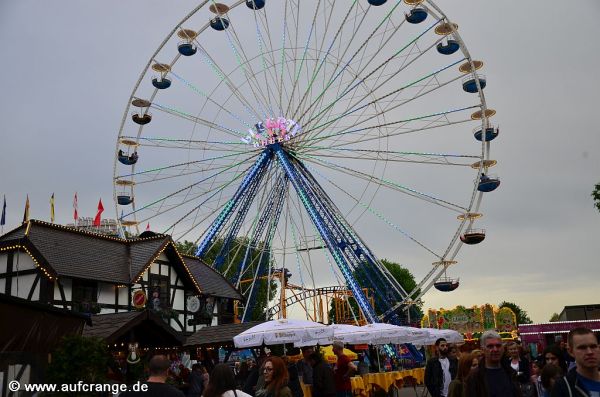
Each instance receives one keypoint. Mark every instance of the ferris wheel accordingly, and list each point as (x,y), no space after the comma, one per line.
(315,136)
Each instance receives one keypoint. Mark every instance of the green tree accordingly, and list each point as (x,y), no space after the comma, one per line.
(78,358)
(522,316)
(231,265)
(186,247)
(554,317)
(596,196)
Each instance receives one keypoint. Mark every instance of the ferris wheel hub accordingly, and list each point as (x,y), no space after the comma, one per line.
(272,130)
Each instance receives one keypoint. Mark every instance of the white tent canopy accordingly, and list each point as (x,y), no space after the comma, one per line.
(308,333)
(282,331)
(450,335)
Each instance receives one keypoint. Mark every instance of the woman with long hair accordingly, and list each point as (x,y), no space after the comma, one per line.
(222,383)
(276,378)
(465,364)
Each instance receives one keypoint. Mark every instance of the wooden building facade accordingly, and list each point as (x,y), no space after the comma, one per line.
(96,274)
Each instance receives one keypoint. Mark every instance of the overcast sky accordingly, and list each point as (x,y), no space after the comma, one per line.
(69,67)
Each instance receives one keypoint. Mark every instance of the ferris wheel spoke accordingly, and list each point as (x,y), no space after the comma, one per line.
(389,155)
(351,86)
(188,187)
(319,65)
(354,107)
(364,45)
(375,212)
(397,104)
(394,124)
(246,65)
(223,76)
(198,120)
(214,192)
(386,183)
(332,78)
(184,165)
(189,144)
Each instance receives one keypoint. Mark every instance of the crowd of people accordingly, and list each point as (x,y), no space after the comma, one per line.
(268,376)
(497,370)
(504,370)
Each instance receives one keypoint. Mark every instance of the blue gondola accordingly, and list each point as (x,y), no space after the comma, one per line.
(470,85)
(376,2)
(161,83)
(187,49)
(488,184)
(490,134)
(141,119)
(124,199)
(449,48)
(219,23)
(446,285)
(416,15)
(255,4)
(128,160)
(473,236)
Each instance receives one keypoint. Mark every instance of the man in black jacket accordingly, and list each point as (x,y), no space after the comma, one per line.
(491,378)
(584,379)
(440,370)
(323,378)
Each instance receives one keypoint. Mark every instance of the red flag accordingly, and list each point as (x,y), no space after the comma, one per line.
(148,226)
(99,213)
(75,214)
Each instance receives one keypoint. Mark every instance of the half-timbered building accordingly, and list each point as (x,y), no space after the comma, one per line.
(97,274)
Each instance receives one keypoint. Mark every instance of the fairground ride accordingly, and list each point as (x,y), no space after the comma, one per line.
(319,133)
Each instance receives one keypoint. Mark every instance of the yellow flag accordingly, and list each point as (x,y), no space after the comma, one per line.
(52,208)
(26,213)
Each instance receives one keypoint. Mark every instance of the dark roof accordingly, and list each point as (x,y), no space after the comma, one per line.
(14,234)
(143,251)
(72,252)
(111,327)
(220,334)
(211,282)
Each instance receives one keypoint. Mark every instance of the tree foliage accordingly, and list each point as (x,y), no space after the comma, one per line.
(522,316)
(596,196)
(554,317)
(78,358)
(231,266)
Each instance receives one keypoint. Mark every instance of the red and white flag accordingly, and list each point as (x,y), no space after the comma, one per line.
(75,214)
(99,213)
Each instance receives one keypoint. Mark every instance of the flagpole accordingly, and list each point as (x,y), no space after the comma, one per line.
(3,218)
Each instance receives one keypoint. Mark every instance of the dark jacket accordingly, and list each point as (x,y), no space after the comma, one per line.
(323,380)
(434,375)
(569,386)
(524,375)
(294,381)
(476,383)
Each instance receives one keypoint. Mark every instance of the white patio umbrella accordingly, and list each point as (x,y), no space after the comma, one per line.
(381,333)
(343,332)
(450,335)
(277,332)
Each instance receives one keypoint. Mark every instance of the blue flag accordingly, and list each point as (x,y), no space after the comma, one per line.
(3,219)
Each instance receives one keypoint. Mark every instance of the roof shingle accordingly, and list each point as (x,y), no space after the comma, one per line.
(211,282)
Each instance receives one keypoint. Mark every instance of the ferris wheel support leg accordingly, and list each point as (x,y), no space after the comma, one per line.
(261,162)
(325,233)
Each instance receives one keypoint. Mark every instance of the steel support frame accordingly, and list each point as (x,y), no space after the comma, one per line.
(263,160)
